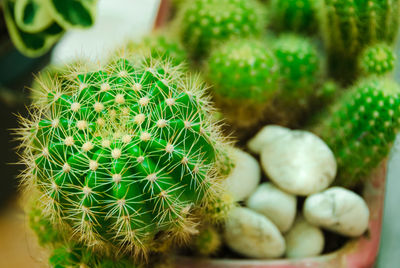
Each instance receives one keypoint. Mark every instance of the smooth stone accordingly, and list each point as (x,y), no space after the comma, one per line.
(266,135)
(245,176)
(339,210)
(253,235)
(275,204)
(300,163)
(304,240)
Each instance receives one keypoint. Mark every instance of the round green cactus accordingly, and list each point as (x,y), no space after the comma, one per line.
(124,155)
(207,23)
(378,60)
(362,128)
(207,242)
(293,15)
(349,26)
(161,46)
(299,65)
(244,75)
(300,73)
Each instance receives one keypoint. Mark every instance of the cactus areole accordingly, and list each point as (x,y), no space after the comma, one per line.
(124,155)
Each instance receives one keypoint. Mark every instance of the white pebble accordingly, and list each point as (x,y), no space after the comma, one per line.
(275,204)
(245,176)
(299,163)
(304,240)
(253,235)
(266,135)
(339,210)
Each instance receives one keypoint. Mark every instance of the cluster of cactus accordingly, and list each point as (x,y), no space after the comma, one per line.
(35,25)
(244,75)
(362,128)
(293,15)
(207,23)
(161,46)
(378,59)
(126,156)
(349,26)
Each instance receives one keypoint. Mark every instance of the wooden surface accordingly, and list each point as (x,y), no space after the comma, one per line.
(18,247)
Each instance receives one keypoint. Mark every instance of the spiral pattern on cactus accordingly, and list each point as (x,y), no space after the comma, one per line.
(124,154)
(378,59)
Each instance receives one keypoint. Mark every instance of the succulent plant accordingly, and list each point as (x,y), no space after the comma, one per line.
(349,26)
(35,25)
(299,66)
(293,15)
(207,242)
(362,128)
(126,156)
(300,74)
(162,46)
(207,23)
(244,75)
(378,59)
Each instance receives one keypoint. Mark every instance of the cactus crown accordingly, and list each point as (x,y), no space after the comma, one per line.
(362,128)
(377,59)
(123,154)
(206,23)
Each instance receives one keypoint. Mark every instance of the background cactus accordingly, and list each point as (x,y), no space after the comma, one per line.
(300,74)
(349,26)
(377,60)
(207,242)
(207,23)
(35,25)
(362,128)
(244,75)
(123,154)
(162,46)
(293,15)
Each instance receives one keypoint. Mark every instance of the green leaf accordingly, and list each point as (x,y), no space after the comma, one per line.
(73,13)
(31,45)
(32,16)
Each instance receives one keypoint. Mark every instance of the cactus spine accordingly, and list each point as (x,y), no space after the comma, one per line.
(207,23)
(123,153)
(362,128)
(349,26)
(244,75)
(377,60)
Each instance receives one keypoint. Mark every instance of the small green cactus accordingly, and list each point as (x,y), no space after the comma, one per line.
(349,26)
(43,228)
(244,75)
(299,66)
(162,46)
(207,23)
(378,59)
(126,156)
(300,74)
(293,15)
(207,242)
(362,128)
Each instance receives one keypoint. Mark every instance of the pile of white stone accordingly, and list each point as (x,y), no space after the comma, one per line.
(298,163)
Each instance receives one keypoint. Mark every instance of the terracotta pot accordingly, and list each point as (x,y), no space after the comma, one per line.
(357,253)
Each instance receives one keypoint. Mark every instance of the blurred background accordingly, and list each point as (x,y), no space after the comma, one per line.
(116,22)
